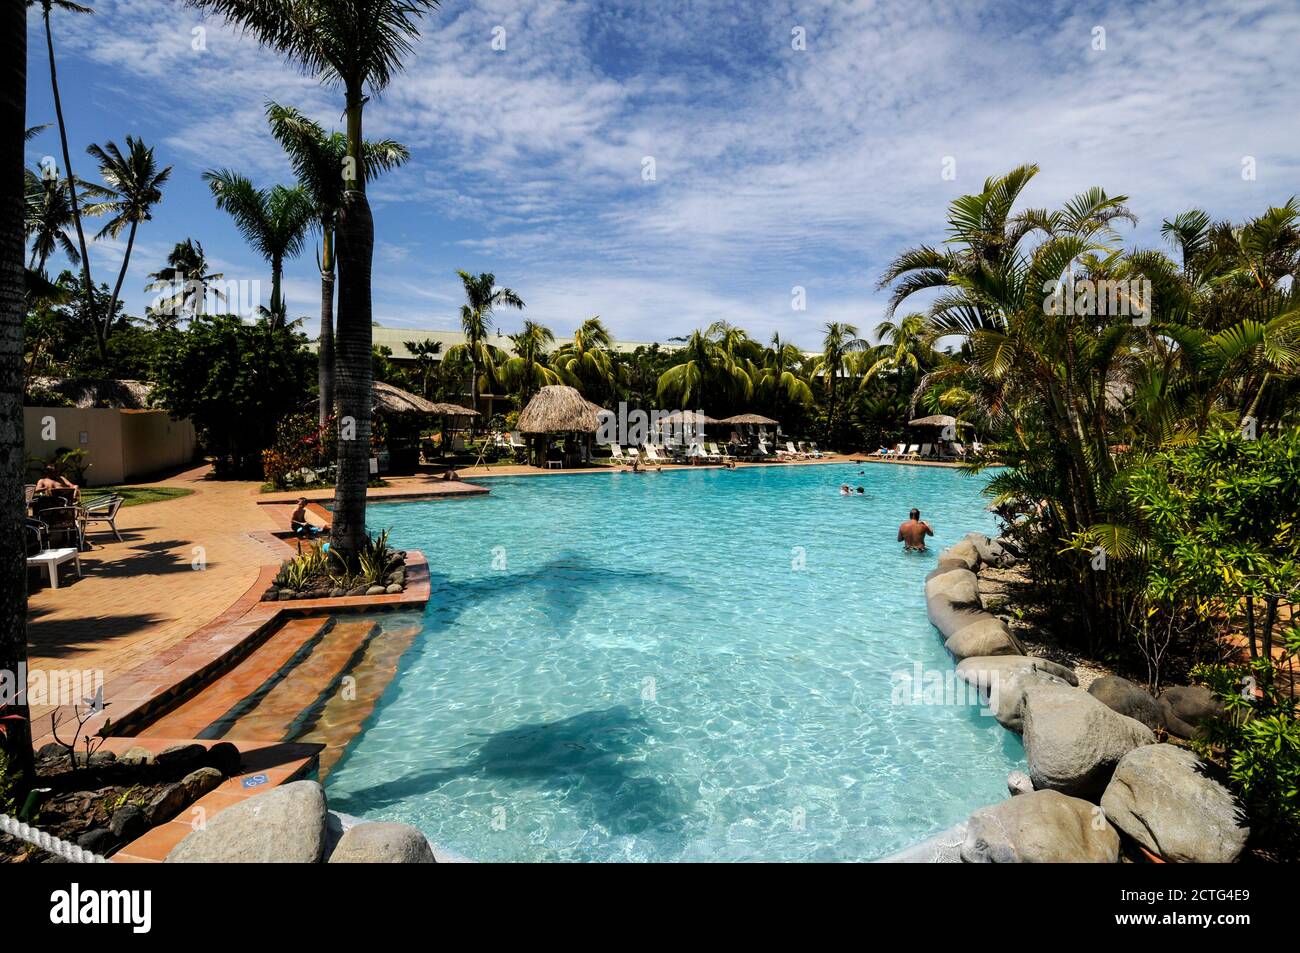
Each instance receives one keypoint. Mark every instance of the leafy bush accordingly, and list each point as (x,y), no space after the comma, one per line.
(1258,743)
(300,443)
(318,567)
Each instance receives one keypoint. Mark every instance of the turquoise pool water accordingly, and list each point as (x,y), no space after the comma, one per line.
(688,665)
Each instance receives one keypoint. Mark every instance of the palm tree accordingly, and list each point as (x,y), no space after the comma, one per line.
(426,354)
(482,298)
(780,379)
(839,346)
(49,220)
(526,370)
(317,157)
(47,6)
(905,346)
(586,361)
(133,187)
(186,275)
(274,221)
(359,45)
(711,367)
(15,728)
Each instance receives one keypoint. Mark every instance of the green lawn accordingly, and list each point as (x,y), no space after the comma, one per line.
(135,495)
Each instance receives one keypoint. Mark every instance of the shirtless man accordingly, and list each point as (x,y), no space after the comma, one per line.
(298,522)
(912,534)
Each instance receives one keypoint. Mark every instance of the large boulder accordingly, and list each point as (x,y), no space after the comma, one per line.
(284,825)
(1162,798)
(1186,707)
(989,551)
(963,552)
(1006,697)
(984,636)
(382,843)
(1073,741)
(1128,698)
(982,671)
(1040,827)
(952,600)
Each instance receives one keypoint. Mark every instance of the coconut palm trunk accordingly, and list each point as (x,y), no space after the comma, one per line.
(15,732)
(325,346)
(355,236)
(46,6)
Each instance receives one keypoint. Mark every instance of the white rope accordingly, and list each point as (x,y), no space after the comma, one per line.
(60,848)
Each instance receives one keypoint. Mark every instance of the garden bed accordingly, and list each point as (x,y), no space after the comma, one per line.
(318,573)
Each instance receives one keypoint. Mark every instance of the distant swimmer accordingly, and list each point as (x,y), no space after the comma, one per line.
(912,534)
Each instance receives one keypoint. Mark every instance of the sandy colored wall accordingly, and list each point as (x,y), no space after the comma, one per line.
(122,445)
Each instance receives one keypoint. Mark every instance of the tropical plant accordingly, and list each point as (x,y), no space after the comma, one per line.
(426,355)
(188,280)
(274,221)
(482,298)
(318,160)
(586,361)
(358,45)
(837,362)
(49,217)
(712,370)
(47,8)
(526,371)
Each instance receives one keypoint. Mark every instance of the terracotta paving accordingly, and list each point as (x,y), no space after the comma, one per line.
(139,597)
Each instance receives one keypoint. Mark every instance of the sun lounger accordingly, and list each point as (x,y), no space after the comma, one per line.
(616,453)
(652,455)
(927,451)
(791,451)
(912,451)
(722,455)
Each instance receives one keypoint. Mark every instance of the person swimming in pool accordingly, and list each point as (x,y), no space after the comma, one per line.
(912,534)
(845,490)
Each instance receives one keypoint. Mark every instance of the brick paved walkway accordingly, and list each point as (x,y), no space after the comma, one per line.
(140,596)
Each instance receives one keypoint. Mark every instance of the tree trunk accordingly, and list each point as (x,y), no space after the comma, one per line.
(355,237)
(277,306)
(16,739)
(121,276)
(325,349)
(100,340)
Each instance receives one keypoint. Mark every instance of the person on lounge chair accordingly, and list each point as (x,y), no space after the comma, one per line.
(53,483)
(912,534)
(299,523)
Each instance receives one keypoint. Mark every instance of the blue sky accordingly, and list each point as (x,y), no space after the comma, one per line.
(774,167)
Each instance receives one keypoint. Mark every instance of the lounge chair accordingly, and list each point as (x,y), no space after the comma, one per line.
(722,455)
(709,456)
(103,510)
(791,451)
(762,453)
(927,451)
(958,452)
(810,450)
(912,451)
(652,455)
(616,453)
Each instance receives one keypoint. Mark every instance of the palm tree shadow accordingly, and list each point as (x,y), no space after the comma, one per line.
(593,753)
(561,587)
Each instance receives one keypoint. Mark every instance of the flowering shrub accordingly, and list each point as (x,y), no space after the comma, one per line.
(300,444)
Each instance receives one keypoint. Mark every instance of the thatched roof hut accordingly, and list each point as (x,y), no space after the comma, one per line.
(749,419)
(559,409)
(937,420)
(678,417)
(452,410)
(394,400)
(88,393)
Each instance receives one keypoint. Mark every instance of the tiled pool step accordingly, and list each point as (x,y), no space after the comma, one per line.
(298,690)
(252,674)
(340,718)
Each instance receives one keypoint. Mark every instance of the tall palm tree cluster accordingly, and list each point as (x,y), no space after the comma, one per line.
(1074,394)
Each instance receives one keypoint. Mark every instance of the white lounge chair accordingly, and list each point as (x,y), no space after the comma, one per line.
(927,451)
(721,455)
(652,455)
(912,451)
(616,453)
(791,451)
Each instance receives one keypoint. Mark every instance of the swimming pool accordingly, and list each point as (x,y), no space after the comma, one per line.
(687,665)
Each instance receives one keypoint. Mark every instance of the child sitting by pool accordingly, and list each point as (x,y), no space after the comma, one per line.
(298,521)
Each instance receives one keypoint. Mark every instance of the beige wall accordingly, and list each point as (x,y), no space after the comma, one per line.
(122,445)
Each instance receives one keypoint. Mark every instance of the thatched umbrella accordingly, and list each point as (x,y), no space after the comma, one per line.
(452,410)
(394,400)
(937,420)
(685,423)
(749,419)
(557,409)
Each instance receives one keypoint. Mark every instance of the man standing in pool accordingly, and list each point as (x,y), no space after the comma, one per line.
(912,534)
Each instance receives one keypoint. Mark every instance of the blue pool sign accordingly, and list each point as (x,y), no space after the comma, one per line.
(254,780)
